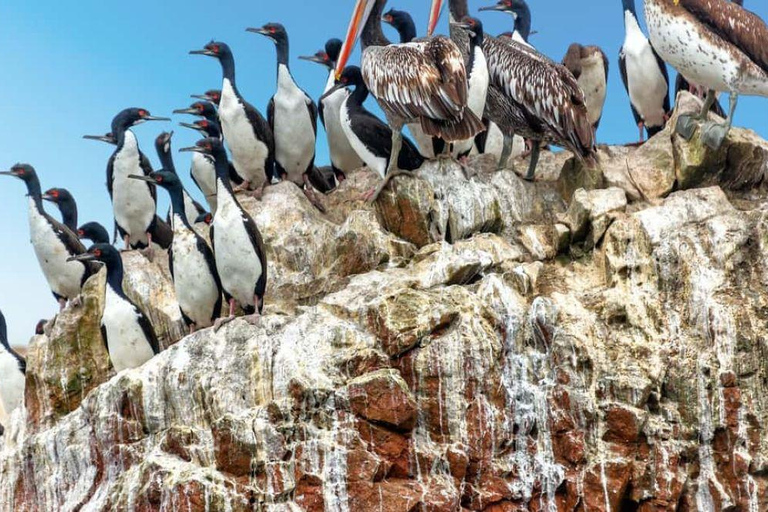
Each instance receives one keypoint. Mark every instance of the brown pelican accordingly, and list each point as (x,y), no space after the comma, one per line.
(716,44)
(424,81)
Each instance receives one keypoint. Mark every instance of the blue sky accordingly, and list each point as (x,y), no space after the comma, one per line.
(69,67)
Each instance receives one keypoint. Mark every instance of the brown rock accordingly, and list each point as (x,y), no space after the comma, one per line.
(234,446)
(622,424)
(383,397)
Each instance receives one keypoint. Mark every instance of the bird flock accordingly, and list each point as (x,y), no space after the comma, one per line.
(458,95)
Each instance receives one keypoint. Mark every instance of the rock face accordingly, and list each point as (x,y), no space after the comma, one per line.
(471,343)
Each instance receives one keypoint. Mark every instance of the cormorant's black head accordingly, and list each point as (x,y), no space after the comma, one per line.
(326,57)
(109,138)
(350,77)
(211,95)
(24,172)
(199,108)
(206,217)
(215,49)
(207,146)
(275,31)
(205,127)
(58,196)
(40,327)
(163,143)
(519,10)
(474,28)
(133,116)
(164,179)
(94,232)
(402,21)
(103,253)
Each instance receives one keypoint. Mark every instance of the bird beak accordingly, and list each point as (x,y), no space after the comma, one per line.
(193,149)
(261,30)
(48,197)
(498,7)
(102,138)
(189,110)
(142,178)
(331,91)
(192,126)
(155,118)
(434,16)
(86,256)
(208,53)
(359,16)
(319,58)
(8,173)
(197,97)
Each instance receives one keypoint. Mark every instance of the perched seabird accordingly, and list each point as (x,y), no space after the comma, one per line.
(94,232)
(127,331)
(13,369)
(521,13)
(401,21)
(202,170)
(247,133)
(66,204)
(54,243)
(644,75)
(589,66)
(324,179)
(133,203)
(370,136)
(344,159)
(536,98)
(192,266)
(716,44)
(163,147)
(238,248)
(423,81)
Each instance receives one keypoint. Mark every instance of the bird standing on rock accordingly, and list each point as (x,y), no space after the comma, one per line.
(127,331)
(54,243)
(197,284)
(247,133)
(13,369)
(344,159)
(238,248)
(716,44)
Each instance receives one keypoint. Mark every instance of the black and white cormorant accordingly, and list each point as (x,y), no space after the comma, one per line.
(370,136)
(292,115)
(94,232)
(344,159)
(423,81)
(54,243)
(211,95)
(238,248)
(192,266)
(245,130)
(127,331)
(402,21)
(13,369)
(66,204)
(644,75)
(133,203)
(163,147)
(537,99)
(204,109)
(521,13)
(716,44)
(589,66)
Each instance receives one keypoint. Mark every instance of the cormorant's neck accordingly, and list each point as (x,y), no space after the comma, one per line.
(228,67)
(283,52)
(629,5)
(166,161)
(523,24)
(372,34)
(221,165)
(120,132)
(34,192)
(177,204)
(360,94)
(407,30)
(115,276)
(69,214)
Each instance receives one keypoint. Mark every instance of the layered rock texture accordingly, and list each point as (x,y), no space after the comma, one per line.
(593,341)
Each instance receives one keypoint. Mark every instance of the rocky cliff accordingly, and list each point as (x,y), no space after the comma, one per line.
(593,341)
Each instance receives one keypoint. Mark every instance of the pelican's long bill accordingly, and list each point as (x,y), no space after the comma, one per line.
(359,17)
(434,16)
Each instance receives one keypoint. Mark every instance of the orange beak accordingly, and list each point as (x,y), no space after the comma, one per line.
(356,24)
(434,16)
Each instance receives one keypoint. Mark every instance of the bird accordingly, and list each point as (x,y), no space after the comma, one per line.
(423,81)
(128,334)
(94,232)
(292,115)
(191,262)
(40,327)
(13,368)
(324,179)
(370,136)
(536,98)
(238,247)
(521,13)
(681,84)
(343,157)
(53,242)
(163,147)
(477,78)
(402,21)
(66,204)
(247,133)
(716,44)
(645,76)
(589,66)
(211,95)
(133,203)
(201,108)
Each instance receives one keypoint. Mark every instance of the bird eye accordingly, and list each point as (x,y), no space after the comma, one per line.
(97,253)
(80,232)
(215,48)
(20,172)
(142,113)
(203,123)
(55,193)
(159,179)
(199,107)
(208,147)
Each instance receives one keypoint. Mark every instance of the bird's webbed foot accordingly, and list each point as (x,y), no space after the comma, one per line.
(221,322)
(713,134)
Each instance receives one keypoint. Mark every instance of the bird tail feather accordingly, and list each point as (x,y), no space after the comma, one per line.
(454,131)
